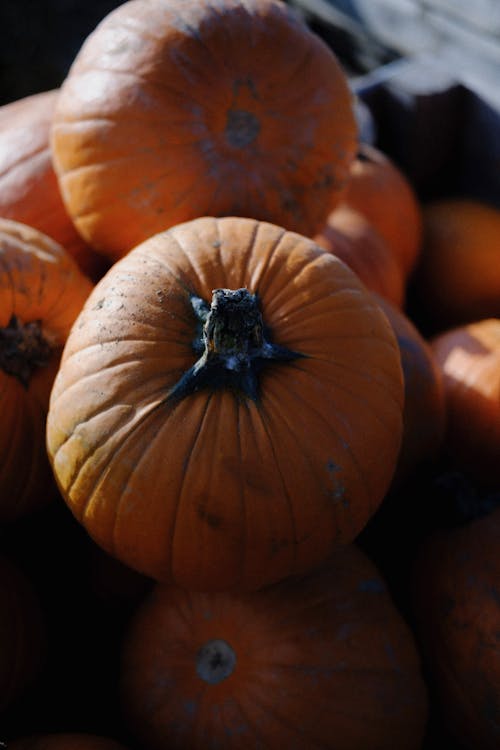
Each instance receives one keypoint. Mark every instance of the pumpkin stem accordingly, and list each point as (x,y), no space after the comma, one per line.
(23,349)
(215,661)
(233,345)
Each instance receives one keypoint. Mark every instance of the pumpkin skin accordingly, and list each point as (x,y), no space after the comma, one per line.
(230,484)
(350,236)
(29,192)
(458,276)
(42,290)
(65,741)
(469,358)
(457,613)
(378,189)
(172,111)
(22,634)
(320,661)
(424,413)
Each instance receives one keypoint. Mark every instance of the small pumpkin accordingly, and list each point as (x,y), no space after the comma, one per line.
(380,190)
(22,634)
(226,438)
(424,413)
(64,741)
(469,358)
(350,236)
(172,111)
(323,661)
(29,192)
(457,615)
(458,276)
(41,292)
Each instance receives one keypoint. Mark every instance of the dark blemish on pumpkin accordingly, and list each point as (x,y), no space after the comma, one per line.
(212,519)
(242,128)
(247,83)
(494,594)
(99,305)
(372,586)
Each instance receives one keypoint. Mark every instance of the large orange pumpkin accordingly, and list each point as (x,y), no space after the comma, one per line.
(29,192)
(41,292)
(457,612)
(469,358)
(230,438)
(379,190)
(323,661)
(458,275)
(177,110)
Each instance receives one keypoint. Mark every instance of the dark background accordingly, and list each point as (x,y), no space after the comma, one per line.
(39,40)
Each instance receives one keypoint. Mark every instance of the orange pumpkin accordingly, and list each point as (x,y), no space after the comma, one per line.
(379,190)
(172,111)
(29,192)
(469,358)
(320,661)
(226,439)
(458,276)
(41,293)
(424,411)
(457,612)
(64,741)
(350,236)
(22,634)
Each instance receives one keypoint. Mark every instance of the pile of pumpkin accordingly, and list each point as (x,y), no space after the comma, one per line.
(246,501)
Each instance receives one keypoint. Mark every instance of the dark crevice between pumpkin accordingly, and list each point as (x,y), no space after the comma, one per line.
(23,349)
(233,345)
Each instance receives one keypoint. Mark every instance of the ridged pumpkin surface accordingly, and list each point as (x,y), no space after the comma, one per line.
(233,477)
(176,110)
(29,191)
(457,613)
(324,661)
(41,292)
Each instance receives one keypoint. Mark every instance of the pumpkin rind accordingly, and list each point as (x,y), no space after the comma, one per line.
(29,191)
(219,489)
(172,111)
(40,285)
(469,359)
(325,661)
(457,614)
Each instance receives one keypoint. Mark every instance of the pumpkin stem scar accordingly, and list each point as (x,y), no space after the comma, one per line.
(215,661)
(233,346)
(23,349)
(242,128)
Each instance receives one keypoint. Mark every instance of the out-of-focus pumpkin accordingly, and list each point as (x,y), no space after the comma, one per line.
(424,411)
(458,276)
(320,661)
(29,192)
(41,292)
(349,235)
(469,358)
(231,438)
(172,111)
(64,741)
(379,190)
(22,634)
(457,614)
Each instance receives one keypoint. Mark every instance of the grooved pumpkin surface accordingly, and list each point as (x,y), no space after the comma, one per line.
(220,488)
(177,110)
(40,285)
(325,661)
